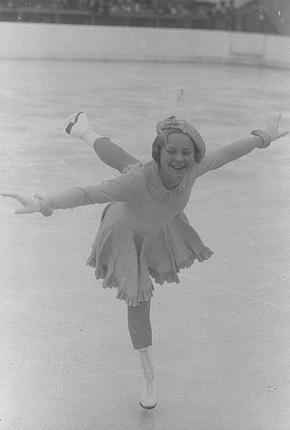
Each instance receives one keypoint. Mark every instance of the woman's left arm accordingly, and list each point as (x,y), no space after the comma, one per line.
(237,149)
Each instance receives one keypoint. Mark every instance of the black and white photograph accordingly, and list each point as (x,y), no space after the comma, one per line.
(145,214)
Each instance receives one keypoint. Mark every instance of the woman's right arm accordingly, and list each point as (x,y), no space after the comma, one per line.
(70,198)
(122,188)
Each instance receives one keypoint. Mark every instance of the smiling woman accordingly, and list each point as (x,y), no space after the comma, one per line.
(176,149)
(172,125)
(176,157)
(144,232)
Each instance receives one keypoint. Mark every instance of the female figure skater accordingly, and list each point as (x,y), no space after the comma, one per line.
(144,233)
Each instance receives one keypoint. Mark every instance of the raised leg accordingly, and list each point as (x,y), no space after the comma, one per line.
(113,155)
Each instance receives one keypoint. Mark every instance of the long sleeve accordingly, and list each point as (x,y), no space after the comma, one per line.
(226,154)
(123,188)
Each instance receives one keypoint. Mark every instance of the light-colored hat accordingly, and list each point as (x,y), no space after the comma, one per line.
(186,128)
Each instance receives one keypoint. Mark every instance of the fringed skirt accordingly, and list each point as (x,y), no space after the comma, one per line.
(128,259)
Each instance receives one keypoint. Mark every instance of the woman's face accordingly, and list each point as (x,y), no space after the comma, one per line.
(177,156)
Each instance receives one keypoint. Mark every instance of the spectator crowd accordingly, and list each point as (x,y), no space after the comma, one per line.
(223,15)
(111,7)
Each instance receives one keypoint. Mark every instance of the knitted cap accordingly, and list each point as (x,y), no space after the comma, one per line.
(186,128)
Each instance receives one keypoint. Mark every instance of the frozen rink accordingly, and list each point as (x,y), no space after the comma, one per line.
(221,336)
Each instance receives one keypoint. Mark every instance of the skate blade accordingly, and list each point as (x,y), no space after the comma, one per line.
(147,407)
(65,126)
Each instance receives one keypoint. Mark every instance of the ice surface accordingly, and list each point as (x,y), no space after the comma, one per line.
(221,337)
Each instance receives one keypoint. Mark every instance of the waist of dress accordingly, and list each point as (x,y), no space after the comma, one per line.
(119,213)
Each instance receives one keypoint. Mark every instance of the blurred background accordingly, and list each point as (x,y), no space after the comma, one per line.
(263,16)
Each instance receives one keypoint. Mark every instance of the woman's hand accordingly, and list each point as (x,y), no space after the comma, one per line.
(270,133)
(272,128)
(29,204)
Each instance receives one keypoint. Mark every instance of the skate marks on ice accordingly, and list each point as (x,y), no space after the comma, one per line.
(221,336)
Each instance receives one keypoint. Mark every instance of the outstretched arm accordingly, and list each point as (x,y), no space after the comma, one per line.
(226,154)
(122,188)
(237,149)
(110,153)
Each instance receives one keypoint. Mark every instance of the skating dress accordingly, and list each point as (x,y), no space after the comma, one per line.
(144,232)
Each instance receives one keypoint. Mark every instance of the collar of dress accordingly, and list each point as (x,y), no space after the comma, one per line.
(155,186)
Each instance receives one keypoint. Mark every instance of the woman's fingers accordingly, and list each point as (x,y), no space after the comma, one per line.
(17,197)
(22,211)
(14,196)
(276,118)
(272,127)
(29,205)
(283,133)
(273,120)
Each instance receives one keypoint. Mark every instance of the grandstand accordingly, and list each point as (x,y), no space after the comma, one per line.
(265,16)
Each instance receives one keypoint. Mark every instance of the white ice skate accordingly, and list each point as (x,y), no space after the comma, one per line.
(148,397)
(77,124)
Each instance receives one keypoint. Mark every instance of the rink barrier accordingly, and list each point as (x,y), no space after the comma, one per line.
(105,43)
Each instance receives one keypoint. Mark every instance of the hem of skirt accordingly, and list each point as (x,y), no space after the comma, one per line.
(143,296)
(171,276)
(160,278)
(123,294)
